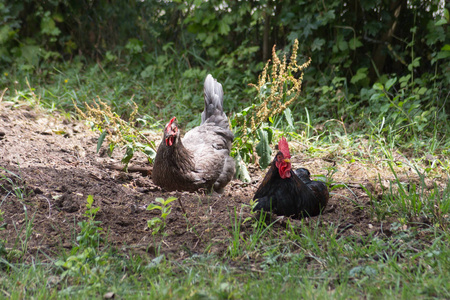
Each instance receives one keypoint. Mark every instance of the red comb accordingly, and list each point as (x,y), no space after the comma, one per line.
(172,120)
(284,147)
(168,127)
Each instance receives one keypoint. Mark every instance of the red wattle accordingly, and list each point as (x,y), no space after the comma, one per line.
(284,169)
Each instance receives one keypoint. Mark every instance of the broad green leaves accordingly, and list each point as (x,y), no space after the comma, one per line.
(134,46)
(48,26)
(360,75)
(414,64)
(390,83)
(317,44)
(354,43)
(263,147)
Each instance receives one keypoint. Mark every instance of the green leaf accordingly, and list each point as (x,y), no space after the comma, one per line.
(360,75)
(134,46)
(153,221)
(48,26)
(152,206)
(384,108)
(269,134)
(354,43)
(128,154)
(289,119)
(241,169)
(224,28)
(4,33)
(101,138)
(390,83)
(378,86)
(317,44)
(422,90)
(328,16)
(111,149)
(168,46)
(263,149)
(343,45)
(60,263)
(106,119)
(160,200)
(443,54)
(149,152)
(31,54)
(441,22)
(414,64)
(169,200)
(90,200)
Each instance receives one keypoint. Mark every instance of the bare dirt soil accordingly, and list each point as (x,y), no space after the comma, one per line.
(53,162)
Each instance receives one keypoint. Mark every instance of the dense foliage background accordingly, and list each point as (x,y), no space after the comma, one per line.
(375,64)
(371,121)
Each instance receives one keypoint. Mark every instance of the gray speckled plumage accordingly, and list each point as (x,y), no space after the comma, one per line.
(201,159)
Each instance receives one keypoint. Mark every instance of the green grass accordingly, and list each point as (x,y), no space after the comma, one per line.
(409,258)
(305,262)
(166,87)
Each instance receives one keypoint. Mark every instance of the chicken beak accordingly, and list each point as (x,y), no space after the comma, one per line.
(169,140)
(287,160)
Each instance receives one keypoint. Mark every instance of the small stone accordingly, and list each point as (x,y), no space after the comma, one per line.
(429,159)
(47,132)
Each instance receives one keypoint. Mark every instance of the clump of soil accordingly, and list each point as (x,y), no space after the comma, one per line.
(52,162)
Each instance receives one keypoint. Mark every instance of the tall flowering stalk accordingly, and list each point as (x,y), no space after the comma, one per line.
(277,89)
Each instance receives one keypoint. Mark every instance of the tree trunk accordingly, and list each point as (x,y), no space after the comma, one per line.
(380,52)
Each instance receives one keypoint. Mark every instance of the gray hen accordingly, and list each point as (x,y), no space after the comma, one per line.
(200,160)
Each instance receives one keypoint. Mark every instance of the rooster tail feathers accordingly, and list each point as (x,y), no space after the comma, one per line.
(213,100)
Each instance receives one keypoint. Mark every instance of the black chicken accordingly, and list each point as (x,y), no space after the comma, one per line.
(290,193)
(200,160)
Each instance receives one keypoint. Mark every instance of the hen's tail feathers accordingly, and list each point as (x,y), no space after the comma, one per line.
(303,174)
(213,112)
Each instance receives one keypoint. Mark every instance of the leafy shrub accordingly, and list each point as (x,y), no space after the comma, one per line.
(277,89)
(117,131)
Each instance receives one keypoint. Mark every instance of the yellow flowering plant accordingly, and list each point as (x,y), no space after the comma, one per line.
(279,85)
